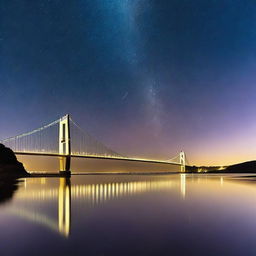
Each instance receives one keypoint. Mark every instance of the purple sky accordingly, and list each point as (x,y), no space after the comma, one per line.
(147,78)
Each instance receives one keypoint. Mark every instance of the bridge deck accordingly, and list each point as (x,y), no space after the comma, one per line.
(98,157)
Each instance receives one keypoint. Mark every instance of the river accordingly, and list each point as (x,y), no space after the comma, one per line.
(174,214)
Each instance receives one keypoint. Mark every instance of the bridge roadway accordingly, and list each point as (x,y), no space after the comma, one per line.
(97,157)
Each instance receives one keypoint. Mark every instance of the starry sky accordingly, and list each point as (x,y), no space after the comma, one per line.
(146,77)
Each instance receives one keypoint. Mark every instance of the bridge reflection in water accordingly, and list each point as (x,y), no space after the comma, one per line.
(60,224)
(37,191)
(64,210)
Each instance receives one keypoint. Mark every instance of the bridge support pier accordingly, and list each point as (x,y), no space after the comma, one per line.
(64,165)
(64,146)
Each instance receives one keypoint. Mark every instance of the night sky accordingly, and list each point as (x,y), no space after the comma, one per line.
(146,77)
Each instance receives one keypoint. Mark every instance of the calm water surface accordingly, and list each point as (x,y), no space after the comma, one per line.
(129,215)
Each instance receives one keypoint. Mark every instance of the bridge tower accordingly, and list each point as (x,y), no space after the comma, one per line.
(64,145)
(182,161)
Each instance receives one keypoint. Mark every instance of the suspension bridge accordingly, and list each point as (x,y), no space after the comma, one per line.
(65,139)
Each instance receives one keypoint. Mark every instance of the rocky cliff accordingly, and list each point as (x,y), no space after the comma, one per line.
(10,167)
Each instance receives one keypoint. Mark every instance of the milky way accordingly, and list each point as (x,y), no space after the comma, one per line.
(146,77)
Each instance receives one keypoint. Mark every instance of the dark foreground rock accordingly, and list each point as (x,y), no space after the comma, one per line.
(10,167)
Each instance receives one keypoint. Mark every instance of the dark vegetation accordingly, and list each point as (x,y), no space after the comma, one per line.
(246,167)
(196,169)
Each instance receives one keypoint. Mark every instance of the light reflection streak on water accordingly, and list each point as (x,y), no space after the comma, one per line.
(64,208)
(183,185)
(94,194)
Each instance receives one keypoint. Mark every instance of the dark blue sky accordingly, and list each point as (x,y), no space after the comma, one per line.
(146,77)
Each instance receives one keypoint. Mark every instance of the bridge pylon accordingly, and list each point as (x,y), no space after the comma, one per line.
(64,145)
(182,161)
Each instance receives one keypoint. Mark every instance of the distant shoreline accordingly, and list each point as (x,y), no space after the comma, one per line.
(245,167)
